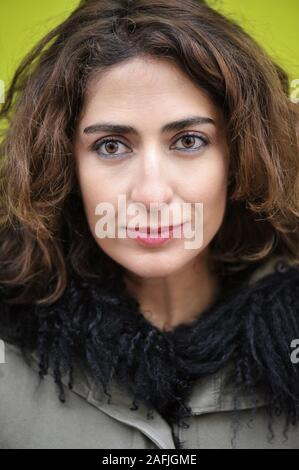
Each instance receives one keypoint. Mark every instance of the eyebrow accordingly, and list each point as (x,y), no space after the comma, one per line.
(125,129)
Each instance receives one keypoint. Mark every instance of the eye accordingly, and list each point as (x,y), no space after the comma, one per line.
(111,145)
(190,140)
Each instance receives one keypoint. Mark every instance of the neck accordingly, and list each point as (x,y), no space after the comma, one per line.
(180,298)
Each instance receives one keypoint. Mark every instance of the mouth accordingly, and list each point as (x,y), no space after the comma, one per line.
(150,237)
(155,231)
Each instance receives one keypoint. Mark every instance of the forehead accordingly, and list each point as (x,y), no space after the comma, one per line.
(147,89)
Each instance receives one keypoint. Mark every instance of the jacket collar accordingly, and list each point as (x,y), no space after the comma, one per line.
(210,394)
(119,407)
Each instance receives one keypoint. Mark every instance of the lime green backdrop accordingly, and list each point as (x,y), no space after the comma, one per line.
(272,22)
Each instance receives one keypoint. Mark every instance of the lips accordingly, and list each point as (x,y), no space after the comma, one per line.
(149,230)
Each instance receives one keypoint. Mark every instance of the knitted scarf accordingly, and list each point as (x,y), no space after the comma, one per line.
(100,326)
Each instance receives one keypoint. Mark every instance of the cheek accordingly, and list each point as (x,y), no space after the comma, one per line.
(94,189)
(209,187)
(213,188)
(214,198)
(207,181)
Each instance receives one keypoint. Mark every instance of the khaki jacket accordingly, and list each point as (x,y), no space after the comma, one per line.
(32,417)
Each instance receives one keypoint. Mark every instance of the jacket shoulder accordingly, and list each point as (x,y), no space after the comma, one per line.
(32,416)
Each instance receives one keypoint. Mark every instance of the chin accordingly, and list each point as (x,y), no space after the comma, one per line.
(152,268)
(150,264)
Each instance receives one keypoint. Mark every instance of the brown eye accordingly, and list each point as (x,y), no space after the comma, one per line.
(190,140)
(111,146)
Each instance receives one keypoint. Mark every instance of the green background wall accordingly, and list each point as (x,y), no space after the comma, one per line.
(272,22)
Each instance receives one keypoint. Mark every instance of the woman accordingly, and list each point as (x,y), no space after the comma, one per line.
(150,344)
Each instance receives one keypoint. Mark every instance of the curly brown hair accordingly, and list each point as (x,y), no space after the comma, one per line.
(43,228)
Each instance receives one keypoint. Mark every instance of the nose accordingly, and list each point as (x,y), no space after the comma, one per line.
(152,181)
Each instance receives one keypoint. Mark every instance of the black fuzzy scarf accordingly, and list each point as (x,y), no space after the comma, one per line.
(101,326)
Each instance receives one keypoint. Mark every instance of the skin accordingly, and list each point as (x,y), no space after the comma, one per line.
(147,93)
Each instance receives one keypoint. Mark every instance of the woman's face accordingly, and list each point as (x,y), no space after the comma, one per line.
(173,167)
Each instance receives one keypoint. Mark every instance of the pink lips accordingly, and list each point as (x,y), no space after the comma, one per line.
(159,238)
